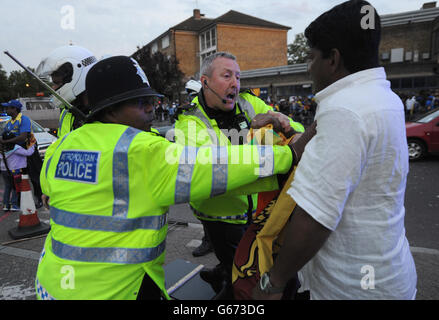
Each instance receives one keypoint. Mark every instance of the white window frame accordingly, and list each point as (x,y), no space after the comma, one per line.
(165,42)
(154,48)
(205,50)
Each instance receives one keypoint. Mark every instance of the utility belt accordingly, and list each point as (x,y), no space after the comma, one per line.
(203,215)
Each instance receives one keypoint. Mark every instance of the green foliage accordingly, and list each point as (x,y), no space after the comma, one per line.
(162,71)
(18,84)
(298,50)
(5,92)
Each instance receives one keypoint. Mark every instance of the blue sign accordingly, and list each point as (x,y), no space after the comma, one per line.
(79,166)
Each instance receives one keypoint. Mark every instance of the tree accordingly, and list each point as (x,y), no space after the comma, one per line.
(22,84)
(5,92)
(162,71)
(298,50)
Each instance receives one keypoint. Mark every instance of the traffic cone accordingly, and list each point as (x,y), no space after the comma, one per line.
(29,224)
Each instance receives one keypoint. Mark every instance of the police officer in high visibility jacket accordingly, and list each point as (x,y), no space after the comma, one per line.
(67,68)
(221,115)
(111,182)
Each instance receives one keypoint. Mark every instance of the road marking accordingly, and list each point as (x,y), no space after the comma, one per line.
(22,253)
(424,250)
(194,243)
(195,225)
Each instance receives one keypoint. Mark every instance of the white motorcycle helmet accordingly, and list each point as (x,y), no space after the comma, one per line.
(193,87)
(70,62)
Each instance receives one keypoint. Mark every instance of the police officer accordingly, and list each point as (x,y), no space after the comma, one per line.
(220,115)
(192,89)
(111,182)
(67,67)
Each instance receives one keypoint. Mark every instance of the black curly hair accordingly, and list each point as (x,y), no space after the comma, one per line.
(342,28)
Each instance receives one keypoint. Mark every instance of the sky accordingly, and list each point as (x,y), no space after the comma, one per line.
(31,29)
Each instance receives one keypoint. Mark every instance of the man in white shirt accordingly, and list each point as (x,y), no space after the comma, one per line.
(346,235)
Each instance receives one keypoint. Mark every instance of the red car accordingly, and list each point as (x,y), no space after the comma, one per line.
(423,135)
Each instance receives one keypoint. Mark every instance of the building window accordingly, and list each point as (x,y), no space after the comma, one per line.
(202,42)
(154,48)
(165,42)
(207,44)
(208,40)
(397,55)
(213,34)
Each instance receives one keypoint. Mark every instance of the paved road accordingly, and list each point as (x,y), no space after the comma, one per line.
(18,261)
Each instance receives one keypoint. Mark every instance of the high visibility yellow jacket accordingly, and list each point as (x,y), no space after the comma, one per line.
(65,124)
(110,187)
(195,128)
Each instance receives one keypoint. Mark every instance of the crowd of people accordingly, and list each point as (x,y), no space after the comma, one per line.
(300,108)
(164,111)
(420,103)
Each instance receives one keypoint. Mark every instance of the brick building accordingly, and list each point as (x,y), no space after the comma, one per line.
(198,37)
(409,52)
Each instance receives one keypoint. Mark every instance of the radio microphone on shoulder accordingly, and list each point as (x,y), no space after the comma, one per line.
(224,101)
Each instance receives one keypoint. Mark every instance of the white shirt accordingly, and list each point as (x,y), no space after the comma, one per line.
(352,180)
(410,103)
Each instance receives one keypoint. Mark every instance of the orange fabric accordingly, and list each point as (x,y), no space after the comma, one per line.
(263,238)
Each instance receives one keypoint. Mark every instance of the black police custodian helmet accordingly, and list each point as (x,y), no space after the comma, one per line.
(114,80)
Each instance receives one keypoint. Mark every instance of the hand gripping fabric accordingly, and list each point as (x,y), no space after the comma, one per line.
(263,239)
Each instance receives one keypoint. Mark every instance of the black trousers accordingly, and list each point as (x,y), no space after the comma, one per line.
(149,290)
(224,238)
(34,164)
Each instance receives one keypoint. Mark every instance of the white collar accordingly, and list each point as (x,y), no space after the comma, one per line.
(357,77)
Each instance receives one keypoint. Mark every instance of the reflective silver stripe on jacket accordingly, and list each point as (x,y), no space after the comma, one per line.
(266,161)
(237,217)
(107,255)
(200,115)
(121,182)
(106,223)
(219,170)
(247,107)
(186,167)
(184,174)
(61,119)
